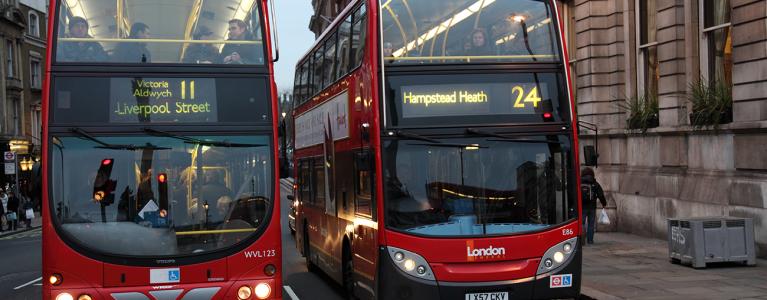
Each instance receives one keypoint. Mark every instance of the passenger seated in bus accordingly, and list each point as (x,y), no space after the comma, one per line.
(388,52)
(80,51)
(214,191)
(240,53)
(201,53)
(480,44)
(133,52)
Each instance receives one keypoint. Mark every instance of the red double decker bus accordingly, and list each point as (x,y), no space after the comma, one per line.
(436,152)
(159,151)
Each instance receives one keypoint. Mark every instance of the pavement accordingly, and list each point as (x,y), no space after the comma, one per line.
(36,223)
(625,266)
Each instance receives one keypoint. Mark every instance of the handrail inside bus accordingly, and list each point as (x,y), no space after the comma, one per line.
(114,40)
(274,32)
(467,57)
(216,231)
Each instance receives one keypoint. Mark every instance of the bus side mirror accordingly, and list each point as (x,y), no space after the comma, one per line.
(590,156)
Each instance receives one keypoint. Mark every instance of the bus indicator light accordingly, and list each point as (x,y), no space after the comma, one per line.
(270,270)
(55,279)
(421,270)
(547,116)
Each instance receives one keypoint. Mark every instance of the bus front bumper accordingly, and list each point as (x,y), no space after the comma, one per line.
(395,284)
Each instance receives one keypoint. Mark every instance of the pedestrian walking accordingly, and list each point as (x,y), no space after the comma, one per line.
(3,208)
(29,211)
(591,190)
(13,211)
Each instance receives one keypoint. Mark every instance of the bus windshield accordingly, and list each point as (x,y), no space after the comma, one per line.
(168,31)
(468,31)
(161,194)
(477,186)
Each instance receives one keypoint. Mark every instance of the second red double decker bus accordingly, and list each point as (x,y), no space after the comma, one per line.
(159,152)
(436,152)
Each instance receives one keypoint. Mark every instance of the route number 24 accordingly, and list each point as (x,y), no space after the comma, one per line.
(522,97)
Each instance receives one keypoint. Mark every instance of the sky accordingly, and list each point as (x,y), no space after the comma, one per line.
(294,38)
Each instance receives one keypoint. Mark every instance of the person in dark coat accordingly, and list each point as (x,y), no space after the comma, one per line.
(480,44)
(80,51)
(13,206)
(134,52)
(247,54)
(591,190)
(201,53)
(26,206)
(3,207)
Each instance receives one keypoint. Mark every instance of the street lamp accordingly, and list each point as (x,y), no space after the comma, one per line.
(26,164)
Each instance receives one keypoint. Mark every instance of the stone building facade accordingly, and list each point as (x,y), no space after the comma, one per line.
(324,13)
(22,67)
(622,50)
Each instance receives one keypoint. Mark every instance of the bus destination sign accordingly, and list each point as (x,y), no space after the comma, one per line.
(163,100)
(472,99)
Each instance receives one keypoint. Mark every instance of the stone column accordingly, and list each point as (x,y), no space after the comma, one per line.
(749,55)
(671,56)
(600,51)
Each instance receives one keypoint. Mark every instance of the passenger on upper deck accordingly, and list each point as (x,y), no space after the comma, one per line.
(133,52)
(201,53)
(240,53)
(480,46)
(80,51)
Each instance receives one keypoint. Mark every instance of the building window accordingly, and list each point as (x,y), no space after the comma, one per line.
(716,43)
(36,124)
(34,25)
(35,73)
(9,61)
(647,58)
(16,116)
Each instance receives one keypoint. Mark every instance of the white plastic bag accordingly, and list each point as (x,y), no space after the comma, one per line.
(603,218)
(30,214)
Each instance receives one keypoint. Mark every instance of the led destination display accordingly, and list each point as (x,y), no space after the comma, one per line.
(445,100)
(138,100)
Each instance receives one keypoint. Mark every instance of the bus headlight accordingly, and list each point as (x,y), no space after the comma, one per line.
(244,292)
(84,297)
(559,257)
(263,290)
(556,256)
(64,296)
(411,263)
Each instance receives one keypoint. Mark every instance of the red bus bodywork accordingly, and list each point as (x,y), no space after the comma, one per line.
(363,240)
(216,279)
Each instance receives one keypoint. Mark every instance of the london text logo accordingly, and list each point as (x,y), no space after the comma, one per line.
(483,253)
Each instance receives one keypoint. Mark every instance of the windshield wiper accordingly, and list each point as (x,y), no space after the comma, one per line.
(82,133)
(413,136)
(191,140)
(503,138)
